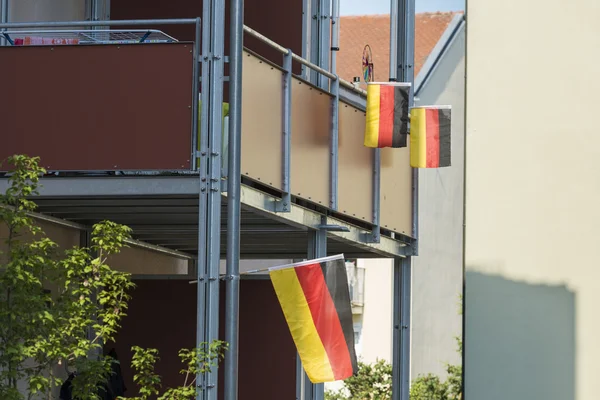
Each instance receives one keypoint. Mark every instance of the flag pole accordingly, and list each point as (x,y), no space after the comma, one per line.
(298,264)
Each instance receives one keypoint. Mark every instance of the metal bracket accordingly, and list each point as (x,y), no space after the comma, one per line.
(333,228)
(8,39)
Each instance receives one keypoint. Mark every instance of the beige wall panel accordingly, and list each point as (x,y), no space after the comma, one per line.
(64,236)
(140,261)
(396,189)
(311,119)
(262,124)
(355,169)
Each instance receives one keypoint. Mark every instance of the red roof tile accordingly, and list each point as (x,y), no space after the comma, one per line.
(374,30)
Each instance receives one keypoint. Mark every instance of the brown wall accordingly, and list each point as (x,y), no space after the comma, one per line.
(162,315)
(281,21)
(98,107)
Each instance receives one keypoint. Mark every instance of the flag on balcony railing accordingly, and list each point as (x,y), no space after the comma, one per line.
(387,114)
(430,136)
(315,300)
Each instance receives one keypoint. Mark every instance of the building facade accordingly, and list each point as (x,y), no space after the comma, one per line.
(531,321)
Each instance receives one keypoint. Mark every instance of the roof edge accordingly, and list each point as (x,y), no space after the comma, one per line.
(438,51)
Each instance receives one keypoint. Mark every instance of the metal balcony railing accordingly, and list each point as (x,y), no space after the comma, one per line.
(371,191)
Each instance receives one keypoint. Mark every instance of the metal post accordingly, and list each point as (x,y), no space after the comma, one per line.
(314,10)
(195,94)
(317,247)
(232,300)
(324,40)
(286,200)
(393,39)
(376,230)
(334,145)
(213,41)
(405,73)
(306,37)
(299,372)
(3,19)
(401,334)
(335,91)
(405,33)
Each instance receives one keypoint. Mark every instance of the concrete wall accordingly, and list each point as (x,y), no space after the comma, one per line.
(437,271)
(532,281)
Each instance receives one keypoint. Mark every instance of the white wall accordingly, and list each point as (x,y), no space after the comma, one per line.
(376,335)
(437,271)
(533,190)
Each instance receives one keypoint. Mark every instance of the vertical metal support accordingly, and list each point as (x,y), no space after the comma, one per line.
(404,54)
(299,372)
(405,73)
(313,54)
(3,19)
(195,94)
(334,144)
(401,334)
(285,205)
(306,37)
(393,39)
(232,299)
(213,41)
(317,247)
(376,231)
(99,10)
(335,91)
(324,41)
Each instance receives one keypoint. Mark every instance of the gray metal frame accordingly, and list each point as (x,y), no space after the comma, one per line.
(213,60)
(232,298)
(320,46)
(403,55)
(401,329)
(317,248)
(3,19)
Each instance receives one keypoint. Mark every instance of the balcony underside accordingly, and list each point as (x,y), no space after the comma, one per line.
(164,212)
(83,120)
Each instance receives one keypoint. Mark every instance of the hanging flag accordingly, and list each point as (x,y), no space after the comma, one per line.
(387,114)
(430,136)
(315,299)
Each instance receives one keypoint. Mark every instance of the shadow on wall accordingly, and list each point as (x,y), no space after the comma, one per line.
(519,340)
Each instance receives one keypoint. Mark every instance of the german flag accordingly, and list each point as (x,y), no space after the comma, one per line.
(315,300)
(387,114)
(430,137)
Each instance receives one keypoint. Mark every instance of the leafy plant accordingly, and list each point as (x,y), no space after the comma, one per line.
(371,382)
(196,361)
(59,307)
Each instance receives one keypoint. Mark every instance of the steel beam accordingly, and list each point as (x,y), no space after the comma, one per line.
(405,59)
(286,199)
(115,186)
(234,214)
(209,218)
(317,248)
(324,22)
(403,53)
(3,19)
(402,328)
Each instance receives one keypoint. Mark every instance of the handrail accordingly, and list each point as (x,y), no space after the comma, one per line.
(302,61)
(124,22)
